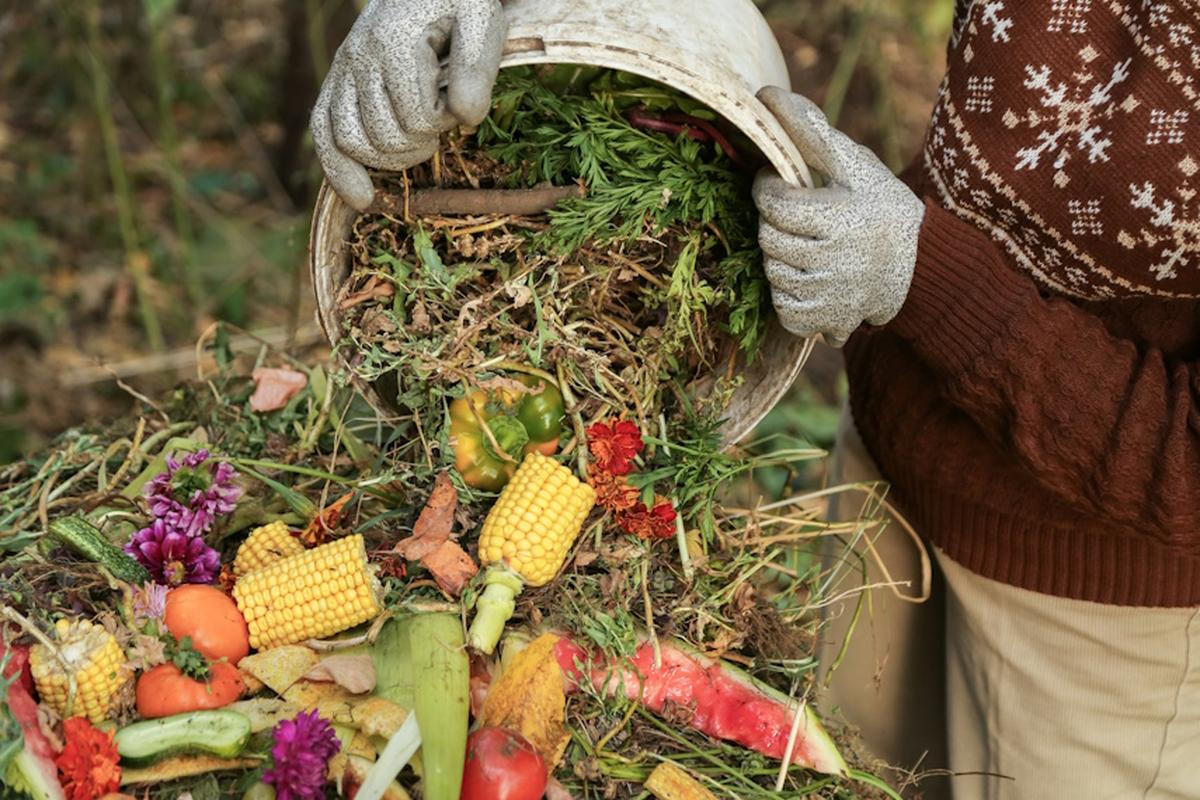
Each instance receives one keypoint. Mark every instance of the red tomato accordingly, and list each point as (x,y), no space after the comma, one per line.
(165,690)
(211,618)
(502,765)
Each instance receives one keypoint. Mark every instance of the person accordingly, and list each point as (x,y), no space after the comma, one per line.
(1021,318)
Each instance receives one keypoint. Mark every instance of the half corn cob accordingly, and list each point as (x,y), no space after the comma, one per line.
(265,546)
(310,595)
(525,539)
(669,782)
(95,660)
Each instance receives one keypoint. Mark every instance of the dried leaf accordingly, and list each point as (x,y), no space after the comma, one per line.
(183,767)
(529,699)
(330,700)
(273,388)
(280,667)
(350,772)
(376,323)
(435,523)
(324,522)
(451,567)
(519,293)
(556,791)
(355,674)
(253,685)
(377,716)
(421,323)
(376,288)
(145,652)
(264,713)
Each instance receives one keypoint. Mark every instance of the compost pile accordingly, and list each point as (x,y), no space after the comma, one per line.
(261,588)
(638,284)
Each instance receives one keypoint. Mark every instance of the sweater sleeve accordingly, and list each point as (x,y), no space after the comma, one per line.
(1112,428)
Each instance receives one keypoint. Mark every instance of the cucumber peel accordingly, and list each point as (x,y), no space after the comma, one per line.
(219,733)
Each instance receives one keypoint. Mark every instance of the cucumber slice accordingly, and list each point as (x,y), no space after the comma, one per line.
(220,733)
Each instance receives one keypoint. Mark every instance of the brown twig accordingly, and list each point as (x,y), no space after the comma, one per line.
(512,202)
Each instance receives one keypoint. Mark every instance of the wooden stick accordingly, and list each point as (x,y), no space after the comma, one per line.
(461,202)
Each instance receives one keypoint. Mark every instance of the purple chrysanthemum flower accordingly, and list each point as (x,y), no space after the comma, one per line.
(173,556)
(301,754)
(193,492)
(149,603)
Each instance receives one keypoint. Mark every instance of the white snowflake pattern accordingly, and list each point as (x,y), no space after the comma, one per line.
(1174,225)
(992,16)
(1166,126)
(1069,15)
(1071,117)
(979,94)
(1085,217)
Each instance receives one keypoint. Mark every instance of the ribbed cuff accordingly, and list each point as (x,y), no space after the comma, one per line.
(963,298)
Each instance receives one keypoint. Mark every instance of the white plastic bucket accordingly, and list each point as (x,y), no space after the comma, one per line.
(721,52)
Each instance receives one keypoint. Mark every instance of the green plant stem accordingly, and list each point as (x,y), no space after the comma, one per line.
(136,261)
(317,24)
(839,81)
(158,22)
(350,483)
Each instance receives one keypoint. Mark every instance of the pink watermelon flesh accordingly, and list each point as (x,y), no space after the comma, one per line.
(36,764)
(726,703)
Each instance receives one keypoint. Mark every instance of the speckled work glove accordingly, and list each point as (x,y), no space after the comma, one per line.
(840,255)
(381,105)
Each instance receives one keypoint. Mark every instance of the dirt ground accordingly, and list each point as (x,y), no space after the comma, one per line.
(156,176)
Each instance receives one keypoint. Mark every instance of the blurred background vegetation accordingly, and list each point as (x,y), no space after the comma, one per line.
(156,175)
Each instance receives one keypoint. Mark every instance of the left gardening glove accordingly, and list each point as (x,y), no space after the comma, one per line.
(840,255)
(382,104)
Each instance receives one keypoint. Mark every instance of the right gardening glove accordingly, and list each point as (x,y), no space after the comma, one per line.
(382,104)
(840,255)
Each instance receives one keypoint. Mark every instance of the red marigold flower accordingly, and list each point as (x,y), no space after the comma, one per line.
(646,523)
(88,761)
(662,519)
(612,493)
(614,445)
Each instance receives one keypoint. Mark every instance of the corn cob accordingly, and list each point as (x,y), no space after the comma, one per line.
(525,539)
(669,782)
(310,595)
(95,660)
(264,546)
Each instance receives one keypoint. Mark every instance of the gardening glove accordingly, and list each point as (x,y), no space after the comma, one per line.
(382,106)
(843,254)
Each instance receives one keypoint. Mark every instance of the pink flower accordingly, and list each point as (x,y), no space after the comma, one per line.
(301,754)
(173,556)
(193,492)
(149,603)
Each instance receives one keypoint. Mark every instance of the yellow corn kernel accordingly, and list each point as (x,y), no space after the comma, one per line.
(310,595)
(536,520)
(264,546)
(525,539)
(669,782)
(95,660)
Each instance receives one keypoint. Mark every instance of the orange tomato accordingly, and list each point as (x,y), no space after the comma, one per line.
(165,690)
(211,618)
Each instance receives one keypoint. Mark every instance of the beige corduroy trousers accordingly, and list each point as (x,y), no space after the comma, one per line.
(1022,696)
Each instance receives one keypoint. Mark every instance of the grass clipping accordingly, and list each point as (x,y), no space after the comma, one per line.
(638,284)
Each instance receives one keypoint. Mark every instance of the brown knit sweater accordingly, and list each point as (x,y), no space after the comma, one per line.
(1036,404)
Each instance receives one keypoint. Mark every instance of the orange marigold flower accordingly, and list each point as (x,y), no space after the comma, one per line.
(88,761)
(614,445)
(612,493)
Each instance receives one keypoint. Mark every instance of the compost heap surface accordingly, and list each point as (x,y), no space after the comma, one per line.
(647,284)
(270,541)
